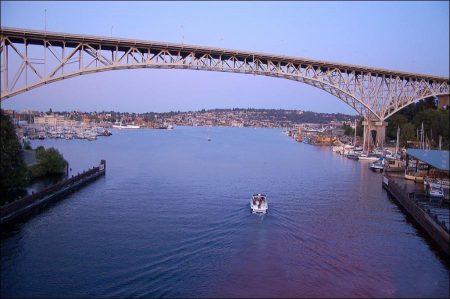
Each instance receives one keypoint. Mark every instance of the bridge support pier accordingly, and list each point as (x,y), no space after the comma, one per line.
(443,101)
(377,126)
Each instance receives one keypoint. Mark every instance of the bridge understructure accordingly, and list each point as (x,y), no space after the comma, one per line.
(30,59)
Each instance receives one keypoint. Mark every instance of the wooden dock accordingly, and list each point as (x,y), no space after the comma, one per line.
(23,206)
(430,215)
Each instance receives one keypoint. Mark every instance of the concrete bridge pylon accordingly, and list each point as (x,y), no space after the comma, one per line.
(377,126)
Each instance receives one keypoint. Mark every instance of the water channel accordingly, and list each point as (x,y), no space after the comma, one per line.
(171,218)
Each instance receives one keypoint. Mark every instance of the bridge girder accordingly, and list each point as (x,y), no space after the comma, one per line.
(373,93)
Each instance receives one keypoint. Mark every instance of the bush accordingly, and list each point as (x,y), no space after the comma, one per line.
(49,162)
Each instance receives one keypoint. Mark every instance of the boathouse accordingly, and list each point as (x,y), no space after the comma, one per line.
(436,160)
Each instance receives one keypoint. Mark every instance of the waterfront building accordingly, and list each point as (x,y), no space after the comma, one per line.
(55,121)
(50,120)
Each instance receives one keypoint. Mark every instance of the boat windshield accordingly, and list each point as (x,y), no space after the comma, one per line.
(258,199)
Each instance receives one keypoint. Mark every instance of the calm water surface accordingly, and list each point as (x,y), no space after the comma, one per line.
(171,218)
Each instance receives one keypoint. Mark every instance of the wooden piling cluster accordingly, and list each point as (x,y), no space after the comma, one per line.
(20,207)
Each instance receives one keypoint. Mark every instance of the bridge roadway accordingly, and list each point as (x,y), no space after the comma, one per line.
(43,57)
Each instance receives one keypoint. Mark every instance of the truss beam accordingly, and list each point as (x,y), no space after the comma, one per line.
(374,93)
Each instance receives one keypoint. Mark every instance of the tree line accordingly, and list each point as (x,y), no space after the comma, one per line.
(409,119)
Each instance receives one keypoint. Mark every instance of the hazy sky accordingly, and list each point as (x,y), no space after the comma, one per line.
(407,36)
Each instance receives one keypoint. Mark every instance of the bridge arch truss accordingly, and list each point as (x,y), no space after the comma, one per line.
(30,59)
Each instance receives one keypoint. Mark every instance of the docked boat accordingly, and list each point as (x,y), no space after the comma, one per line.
(412,175)
(436,192)
(121,125)
(437,180)
(258,203)
(166,126)
(337,148)
(369,157)
(377,166)
(125,126)
(394,165)
(352,155)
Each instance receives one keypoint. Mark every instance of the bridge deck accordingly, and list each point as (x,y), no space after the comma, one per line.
(109,43)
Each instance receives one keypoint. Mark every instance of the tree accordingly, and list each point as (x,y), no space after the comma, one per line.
(410,118)
(408,133)
(359,129)
(12,168)
(348,130)
(395,121)
(49,162)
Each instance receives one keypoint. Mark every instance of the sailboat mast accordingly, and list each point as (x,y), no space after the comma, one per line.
(397,143)
(422,138)
(364,138)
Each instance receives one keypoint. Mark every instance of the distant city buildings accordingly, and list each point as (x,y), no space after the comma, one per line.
(264,118)
(54,120)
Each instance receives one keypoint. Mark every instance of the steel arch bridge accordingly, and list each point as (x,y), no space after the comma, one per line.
(42,57)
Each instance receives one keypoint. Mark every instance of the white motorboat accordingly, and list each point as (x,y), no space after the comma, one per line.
(120,125)
(258,203)
(377,166)
(436,192)
(125,126)
(369,157)
(352,155)
(437,182)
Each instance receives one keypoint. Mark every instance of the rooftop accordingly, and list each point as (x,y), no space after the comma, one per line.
(437,159)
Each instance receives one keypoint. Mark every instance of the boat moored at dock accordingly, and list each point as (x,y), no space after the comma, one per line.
(377,165)
(394,165)
(369,157)
(352,155)
(121,126)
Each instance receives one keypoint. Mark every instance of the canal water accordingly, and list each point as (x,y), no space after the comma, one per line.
(171,218)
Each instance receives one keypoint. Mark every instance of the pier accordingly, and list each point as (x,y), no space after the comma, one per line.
(12,211)
(430,214)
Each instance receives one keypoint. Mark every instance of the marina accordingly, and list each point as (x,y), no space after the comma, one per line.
(37,131)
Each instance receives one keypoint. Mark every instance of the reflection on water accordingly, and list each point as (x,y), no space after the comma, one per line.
(171,218)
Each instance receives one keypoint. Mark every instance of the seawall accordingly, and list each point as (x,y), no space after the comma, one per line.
(12,211)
